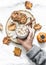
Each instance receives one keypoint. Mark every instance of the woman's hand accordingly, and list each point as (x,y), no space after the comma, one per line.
(27,44)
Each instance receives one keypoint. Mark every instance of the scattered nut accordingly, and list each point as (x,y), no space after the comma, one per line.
(12,27)
(28,5)
(1,27)
(6,40)
(37,26)
(17,51)
(19,17)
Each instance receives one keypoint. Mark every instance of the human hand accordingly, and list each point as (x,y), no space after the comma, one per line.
(27,43)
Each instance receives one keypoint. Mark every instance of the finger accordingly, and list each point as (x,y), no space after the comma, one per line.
(30,35)
(30,29)
(20,41)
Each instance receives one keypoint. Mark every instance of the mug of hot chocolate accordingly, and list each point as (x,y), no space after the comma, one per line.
(22,31)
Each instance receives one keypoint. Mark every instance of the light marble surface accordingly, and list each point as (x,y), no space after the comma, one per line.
(39,12)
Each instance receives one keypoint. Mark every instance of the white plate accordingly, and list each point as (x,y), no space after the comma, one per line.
(12,34)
